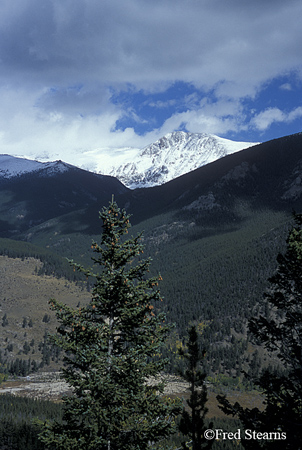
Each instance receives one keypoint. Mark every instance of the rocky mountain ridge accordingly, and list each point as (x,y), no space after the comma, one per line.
(174,155)
(11,166)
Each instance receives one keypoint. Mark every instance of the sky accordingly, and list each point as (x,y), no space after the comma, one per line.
(86,77)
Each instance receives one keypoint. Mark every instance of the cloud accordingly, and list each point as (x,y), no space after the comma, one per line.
(62,61)
(214,117)
(144,42)
(266,118)
(27,129)
(286,87)
(162,104)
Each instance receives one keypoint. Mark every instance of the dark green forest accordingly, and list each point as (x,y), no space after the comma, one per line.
(21,422)
(18,430)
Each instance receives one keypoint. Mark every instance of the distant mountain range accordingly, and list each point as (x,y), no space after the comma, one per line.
(173,155)
(269,172)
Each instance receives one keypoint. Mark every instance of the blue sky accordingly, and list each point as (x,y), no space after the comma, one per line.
(274,112)
(86,77)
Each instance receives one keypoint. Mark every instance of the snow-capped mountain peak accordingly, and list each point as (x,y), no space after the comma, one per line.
(173,155)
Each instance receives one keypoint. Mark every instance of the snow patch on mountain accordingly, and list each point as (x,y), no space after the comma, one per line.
(11,166)
(171,156)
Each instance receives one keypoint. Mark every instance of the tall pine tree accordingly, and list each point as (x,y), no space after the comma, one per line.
(110,346)
(280,331)
(192,423)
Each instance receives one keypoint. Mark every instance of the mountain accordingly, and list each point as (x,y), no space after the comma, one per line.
(45,191)
(11,166)
(213,233)
(173,155)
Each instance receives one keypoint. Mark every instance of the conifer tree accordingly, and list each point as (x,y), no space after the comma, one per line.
(193,424)
(109,352)
(280,332)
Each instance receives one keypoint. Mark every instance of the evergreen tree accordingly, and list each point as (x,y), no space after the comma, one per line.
(110,346)
(193,424)
(280,331)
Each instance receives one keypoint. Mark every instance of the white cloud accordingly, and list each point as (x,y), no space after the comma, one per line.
(162,104)
(60,60)
(295,114)
(266,118)
(286,87)
(219,117)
